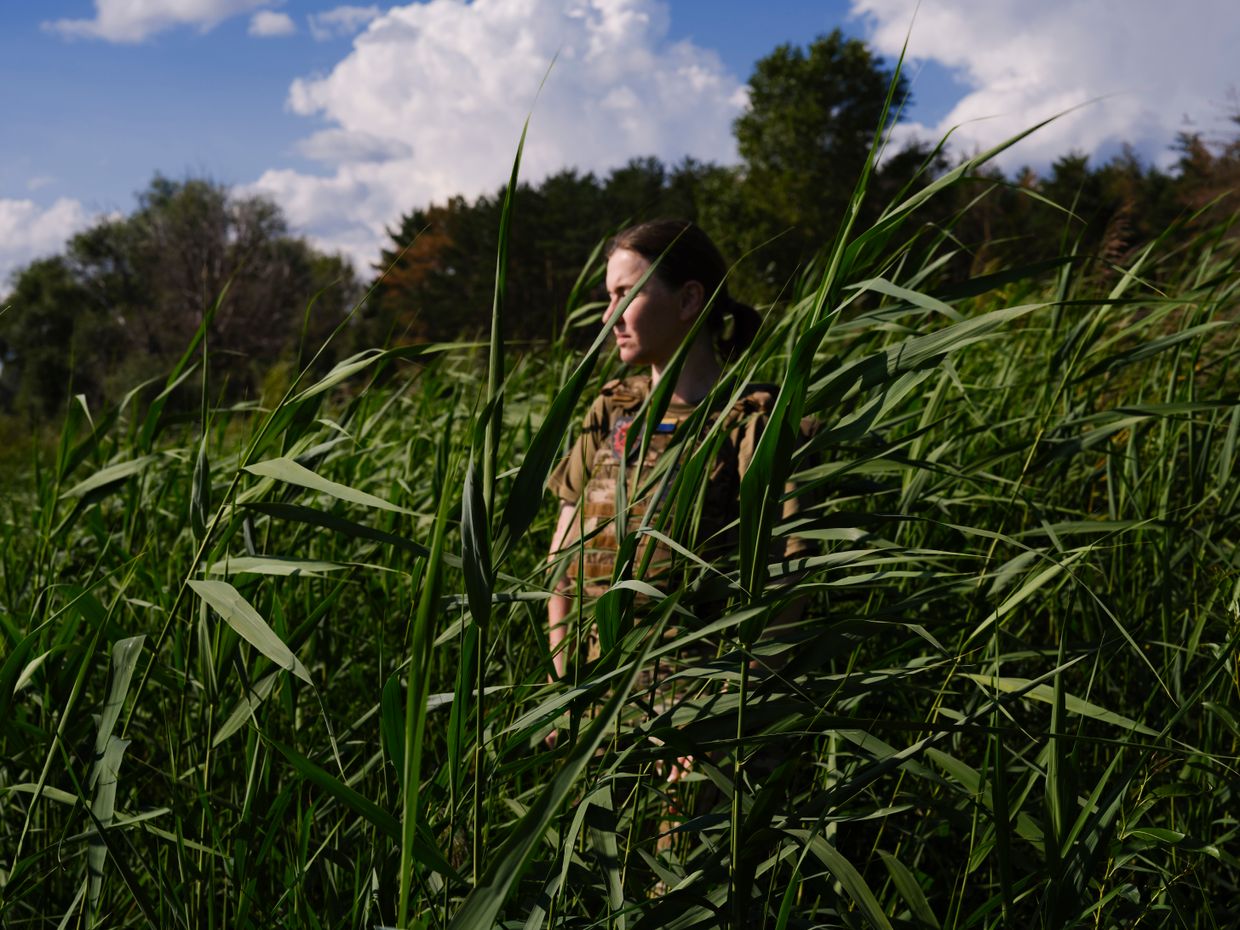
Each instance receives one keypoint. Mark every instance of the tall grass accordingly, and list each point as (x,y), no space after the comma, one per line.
(289,668)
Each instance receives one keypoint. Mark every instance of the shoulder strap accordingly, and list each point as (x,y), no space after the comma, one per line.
(757,399)
(627,394)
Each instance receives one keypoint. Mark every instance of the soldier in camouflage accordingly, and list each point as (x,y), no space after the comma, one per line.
(656,321)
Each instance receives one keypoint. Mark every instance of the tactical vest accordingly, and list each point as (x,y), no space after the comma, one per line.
(596,523)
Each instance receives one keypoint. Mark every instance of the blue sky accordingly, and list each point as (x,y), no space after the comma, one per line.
(349,116)
(96,119)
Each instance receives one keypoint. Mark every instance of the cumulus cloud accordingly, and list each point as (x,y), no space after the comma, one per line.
(342,21)
(1152,64)
(267,24)
(431,98)
(135,20)
(339,146)
(29,231)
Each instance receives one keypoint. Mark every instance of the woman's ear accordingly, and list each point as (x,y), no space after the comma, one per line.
(692,297)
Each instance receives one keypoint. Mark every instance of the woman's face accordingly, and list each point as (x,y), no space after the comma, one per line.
(656,320)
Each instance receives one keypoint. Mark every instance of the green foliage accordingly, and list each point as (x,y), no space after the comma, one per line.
(123,301)
(436,284)
(804,140)
(811,116)
(257,672)
(1004,702)
(42,333)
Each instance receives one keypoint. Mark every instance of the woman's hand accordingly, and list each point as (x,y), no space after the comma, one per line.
(678,770)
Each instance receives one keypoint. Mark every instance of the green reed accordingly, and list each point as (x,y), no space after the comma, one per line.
(287,666)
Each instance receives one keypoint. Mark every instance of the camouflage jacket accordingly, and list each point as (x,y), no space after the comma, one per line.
(590,477)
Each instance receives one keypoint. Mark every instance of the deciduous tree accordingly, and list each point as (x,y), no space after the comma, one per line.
(128,294)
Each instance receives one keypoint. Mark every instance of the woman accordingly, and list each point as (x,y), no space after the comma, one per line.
(689,279)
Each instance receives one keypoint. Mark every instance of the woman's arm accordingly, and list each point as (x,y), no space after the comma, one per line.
(560,605)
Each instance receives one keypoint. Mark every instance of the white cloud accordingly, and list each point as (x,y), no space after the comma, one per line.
(1153,62)
(338,146)
(342,21)
(28,231)
(135,20)
(451,83)
(267,24)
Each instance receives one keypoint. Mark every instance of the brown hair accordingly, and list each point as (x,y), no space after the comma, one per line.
(688,254)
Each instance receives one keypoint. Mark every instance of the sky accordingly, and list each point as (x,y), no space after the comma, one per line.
(349,116)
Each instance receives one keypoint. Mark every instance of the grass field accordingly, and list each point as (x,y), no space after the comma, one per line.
(286,665)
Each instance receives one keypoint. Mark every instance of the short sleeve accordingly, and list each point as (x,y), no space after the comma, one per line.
(569,478)
(796,504)
(751,414)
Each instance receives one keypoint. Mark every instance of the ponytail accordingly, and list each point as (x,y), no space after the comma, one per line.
(735,326)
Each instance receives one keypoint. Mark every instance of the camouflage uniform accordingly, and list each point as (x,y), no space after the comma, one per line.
(590,474)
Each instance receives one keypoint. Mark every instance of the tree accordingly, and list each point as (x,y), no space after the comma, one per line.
(437,277)
(125,299)
(1210,173)
(44,332)
(804,140)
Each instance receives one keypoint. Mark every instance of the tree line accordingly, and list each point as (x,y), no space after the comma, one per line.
(122,301)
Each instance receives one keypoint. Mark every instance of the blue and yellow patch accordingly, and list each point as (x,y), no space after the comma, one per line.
(620,433)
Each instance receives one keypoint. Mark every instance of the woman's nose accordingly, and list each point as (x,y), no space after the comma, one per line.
(611,312)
